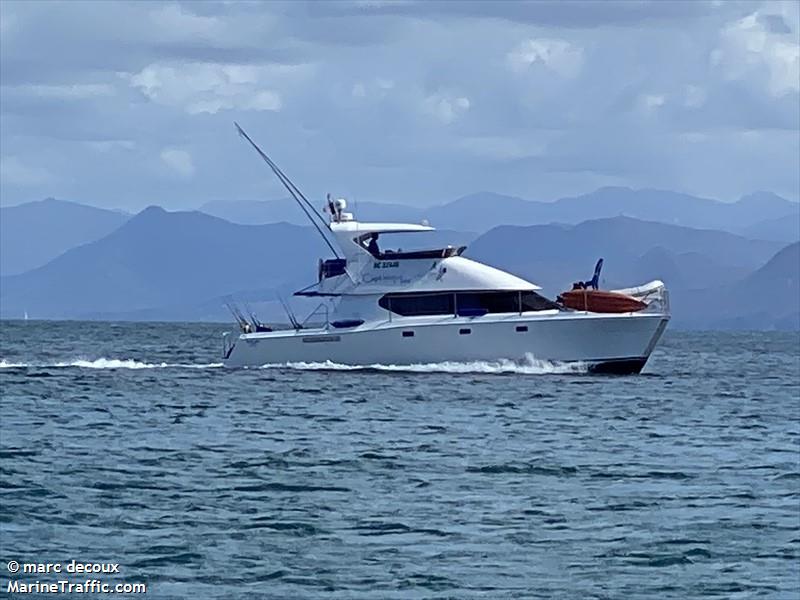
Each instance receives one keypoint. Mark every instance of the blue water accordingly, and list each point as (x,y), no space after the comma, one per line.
(128,443)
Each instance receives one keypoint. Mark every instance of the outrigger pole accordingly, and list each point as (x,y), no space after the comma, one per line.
(298,196)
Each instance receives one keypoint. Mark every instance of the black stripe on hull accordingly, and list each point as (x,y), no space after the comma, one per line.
(622,366)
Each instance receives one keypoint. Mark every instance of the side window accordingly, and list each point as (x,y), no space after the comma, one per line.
(533,301)
(416,305)
(491,302)
(444,303)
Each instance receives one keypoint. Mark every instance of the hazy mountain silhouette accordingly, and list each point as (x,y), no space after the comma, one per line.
(784,229)
(179,265)
(768,298)
(761,215)
(554,256)
(259,212)
(675,208)
(685,270)
(161,258)
(484,210)
(716,279)
(34,233)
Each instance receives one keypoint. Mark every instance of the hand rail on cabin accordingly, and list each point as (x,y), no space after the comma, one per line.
(314,312)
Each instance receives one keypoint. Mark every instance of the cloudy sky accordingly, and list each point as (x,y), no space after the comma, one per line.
(130,104)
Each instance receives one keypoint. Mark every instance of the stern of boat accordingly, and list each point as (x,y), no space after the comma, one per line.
(228,344)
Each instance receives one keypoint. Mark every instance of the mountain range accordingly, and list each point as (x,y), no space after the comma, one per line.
(762,215)
(554,256)
(768,298)
(65,260)
(716,279)
(33,234)
(163,259)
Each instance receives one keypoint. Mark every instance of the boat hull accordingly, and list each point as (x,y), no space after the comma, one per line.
(605,343)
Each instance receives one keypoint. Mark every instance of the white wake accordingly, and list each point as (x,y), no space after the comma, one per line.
(528,366)
(108,363)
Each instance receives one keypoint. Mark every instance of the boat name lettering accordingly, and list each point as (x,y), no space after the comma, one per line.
(387,280)
(321,338)
(387,264)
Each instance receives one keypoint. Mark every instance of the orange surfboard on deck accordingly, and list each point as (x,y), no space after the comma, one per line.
(600,301)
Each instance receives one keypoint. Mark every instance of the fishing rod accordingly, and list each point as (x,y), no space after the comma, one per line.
(244,325)
(289,313)
(253,318)
(288,183)
(296,194)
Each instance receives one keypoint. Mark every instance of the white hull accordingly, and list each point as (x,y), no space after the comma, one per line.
(612,342)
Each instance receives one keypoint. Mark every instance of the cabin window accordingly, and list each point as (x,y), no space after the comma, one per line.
(533,301)
(473,304)
(491,302)
(408,334)
(417,305)
(502,302)
(522,328)
(464,331)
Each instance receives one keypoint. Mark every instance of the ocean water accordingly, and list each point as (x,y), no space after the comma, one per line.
(129,443)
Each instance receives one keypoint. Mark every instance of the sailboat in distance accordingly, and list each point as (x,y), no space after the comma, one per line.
(384,306)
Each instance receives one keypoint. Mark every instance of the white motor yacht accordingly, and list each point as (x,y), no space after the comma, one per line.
(430,306)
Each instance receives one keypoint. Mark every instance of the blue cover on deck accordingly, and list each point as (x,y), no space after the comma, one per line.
(471,312)
(347,323)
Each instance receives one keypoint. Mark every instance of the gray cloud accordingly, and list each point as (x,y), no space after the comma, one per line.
(548,13)
(412,102)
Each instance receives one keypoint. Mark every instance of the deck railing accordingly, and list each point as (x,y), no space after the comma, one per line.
(322,308)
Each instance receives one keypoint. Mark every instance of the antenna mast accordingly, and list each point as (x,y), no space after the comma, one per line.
(298,196)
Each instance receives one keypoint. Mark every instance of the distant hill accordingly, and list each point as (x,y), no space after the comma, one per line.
(180,265)
(160,259)
(554,256)
(259,212)
(768,298)
(484,210)
(716,279)
(34,233)
(761,215)
(784,229)
(648,205)
(675,208)
(685,270)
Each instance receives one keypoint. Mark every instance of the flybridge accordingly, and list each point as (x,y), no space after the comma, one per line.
(365,266)
(359,257)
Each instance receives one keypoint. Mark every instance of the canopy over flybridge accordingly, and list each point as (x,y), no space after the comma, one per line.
(357,227)
(361,267)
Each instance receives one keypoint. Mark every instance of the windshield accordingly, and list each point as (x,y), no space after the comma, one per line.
(406,242)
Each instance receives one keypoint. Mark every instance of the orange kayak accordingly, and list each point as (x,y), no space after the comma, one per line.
(600,301)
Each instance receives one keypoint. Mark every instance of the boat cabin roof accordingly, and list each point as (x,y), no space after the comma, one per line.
(360,228)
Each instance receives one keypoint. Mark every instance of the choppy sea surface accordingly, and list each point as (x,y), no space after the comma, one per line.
(129,443)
